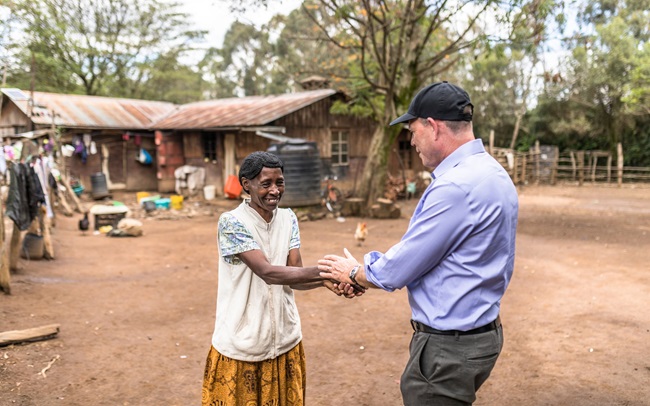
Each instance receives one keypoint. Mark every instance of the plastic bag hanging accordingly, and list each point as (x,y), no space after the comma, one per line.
(144,157)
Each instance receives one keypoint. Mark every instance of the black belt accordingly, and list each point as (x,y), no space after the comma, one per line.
(417,326)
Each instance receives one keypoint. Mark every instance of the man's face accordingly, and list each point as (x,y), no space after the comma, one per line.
(423,139)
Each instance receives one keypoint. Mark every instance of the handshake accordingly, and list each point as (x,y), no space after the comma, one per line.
(340,274)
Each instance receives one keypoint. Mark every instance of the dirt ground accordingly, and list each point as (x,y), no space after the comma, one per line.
(136,314)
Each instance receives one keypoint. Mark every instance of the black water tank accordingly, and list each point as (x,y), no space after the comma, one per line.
(302,175)
(99,187)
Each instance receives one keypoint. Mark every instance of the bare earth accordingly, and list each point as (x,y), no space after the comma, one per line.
(136,314)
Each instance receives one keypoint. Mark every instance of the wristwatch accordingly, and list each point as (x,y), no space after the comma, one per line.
(353,274)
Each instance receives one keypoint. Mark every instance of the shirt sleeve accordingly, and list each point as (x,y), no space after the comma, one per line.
(234,238)
(295,232)
(435,230)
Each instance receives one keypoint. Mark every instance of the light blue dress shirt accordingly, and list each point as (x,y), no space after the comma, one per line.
(457,256)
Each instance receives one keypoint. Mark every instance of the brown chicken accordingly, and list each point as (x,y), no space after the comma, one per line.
(361,233)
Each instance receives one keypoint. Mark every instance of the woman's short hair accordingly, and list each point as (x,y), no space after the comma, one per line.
(253,164)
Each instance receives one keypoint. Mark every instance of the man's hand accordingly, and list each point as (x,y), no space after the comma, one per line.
(338,268)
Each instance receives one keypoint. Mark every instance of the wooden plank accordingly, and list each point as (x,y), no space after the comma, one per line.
(29,335)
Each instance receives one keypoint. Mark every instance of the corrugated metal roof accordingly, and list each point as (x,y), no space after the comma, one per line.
(240,111)
(90,111)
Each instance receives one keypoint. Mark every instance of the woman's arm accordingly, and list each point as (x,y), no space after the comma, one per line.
(291,274)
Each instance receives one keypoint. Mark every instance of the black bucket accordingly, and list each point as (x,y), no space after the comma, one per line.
(99,186)
(33,246)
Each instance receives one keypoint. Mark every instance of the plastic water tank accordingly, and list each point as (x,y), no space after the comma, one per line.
(99,186)
(302,176)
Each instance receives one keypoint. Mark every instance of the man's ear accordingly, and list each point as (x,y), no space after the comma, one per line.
(435,126)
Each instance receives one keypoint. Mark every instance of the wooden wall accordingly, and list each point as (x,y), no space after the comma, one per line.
(123,168)
(12,118)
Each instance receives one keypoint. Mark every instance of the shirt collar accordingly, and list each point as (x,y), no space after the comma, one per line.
(469,148)
(247,201)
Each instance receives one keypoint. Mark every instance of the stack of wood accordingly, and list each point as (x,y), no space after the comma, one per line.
(395,188)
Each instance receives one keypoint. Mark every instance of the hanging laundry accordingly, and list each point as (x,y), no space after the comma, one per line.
(25,195)
(77,144)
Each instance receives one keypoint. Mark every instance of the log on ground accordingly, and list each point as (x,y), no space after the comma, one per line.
(29,335)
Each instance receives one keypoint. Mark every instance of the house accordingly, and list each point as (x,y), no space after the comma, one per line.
(112,131)
(215,135)
(218,134)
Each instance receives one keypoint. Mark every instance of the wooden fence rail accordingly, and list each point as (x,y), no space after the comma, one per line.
(545,164)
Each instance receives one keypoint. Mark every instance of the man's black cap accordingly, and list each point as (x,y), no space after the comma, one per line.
(440,101)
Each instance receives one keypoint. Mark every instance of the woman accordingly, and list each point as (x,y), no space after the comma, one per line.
(257,355)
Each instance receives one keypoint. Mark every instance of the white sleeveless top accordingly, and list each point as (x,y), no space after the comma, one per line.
(256,321)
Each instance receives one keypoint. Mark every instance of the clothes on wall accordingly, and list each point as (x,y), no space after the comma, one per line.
(190,177)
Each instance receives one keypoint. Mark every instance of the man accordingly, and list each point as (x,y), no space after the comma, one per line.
(456,257)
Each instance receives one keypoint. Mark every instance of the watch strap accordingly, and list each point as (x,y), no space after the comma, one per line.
(353,274)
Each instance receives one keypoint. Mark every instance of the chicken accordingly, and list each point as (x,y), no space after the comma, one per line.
(361,233)
(84,224)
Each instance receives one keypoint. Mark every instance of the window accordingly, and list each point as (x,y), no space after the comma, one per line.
(340,148)
(209,143)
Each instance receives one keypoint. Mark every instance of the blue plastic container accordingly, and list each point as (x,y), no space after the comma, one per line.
(163,204)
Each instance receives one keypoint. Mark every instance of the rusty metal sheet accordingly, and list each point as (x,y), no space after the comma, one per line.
(90,111)
(240,111)
(117,113)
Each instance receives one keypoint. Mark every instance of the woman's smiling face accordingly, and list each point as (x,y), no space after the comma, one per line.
(266,190)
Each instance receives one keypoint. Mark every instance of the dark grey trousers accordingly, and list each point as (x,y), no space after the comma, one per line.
(447,370)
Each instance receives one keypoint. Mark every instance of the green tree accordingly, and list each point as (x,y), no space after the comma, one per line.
(606,81)
(243,65)
(100,47)
(504,78)
(401,46)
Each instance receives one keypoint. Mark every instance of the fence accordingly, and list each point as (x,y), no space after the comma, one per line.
(545,164)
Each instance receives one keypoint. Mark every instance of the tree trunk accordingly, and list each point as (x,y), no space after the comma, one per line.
(515,132)
(373,178)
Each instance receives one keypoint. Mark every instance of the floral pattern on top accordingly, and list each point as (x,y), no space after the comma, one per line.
(234,238)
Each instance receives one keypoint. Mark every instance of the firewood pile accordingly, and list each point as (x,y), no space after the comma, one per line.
(395,188)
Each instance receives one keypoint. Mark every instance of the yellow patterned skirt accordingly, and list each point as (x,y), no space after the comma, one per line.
(274,382)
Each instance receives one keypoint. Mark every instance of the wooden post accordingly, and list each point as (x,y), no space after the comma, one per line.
(594,161)
(5,276)
(573,165)
(75,200)
(581,167)
(619,163)
(48,248)
(515,169)
(609,167)
(537,163)
(524,164)
(67,211)
(556,159)
(14,250)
